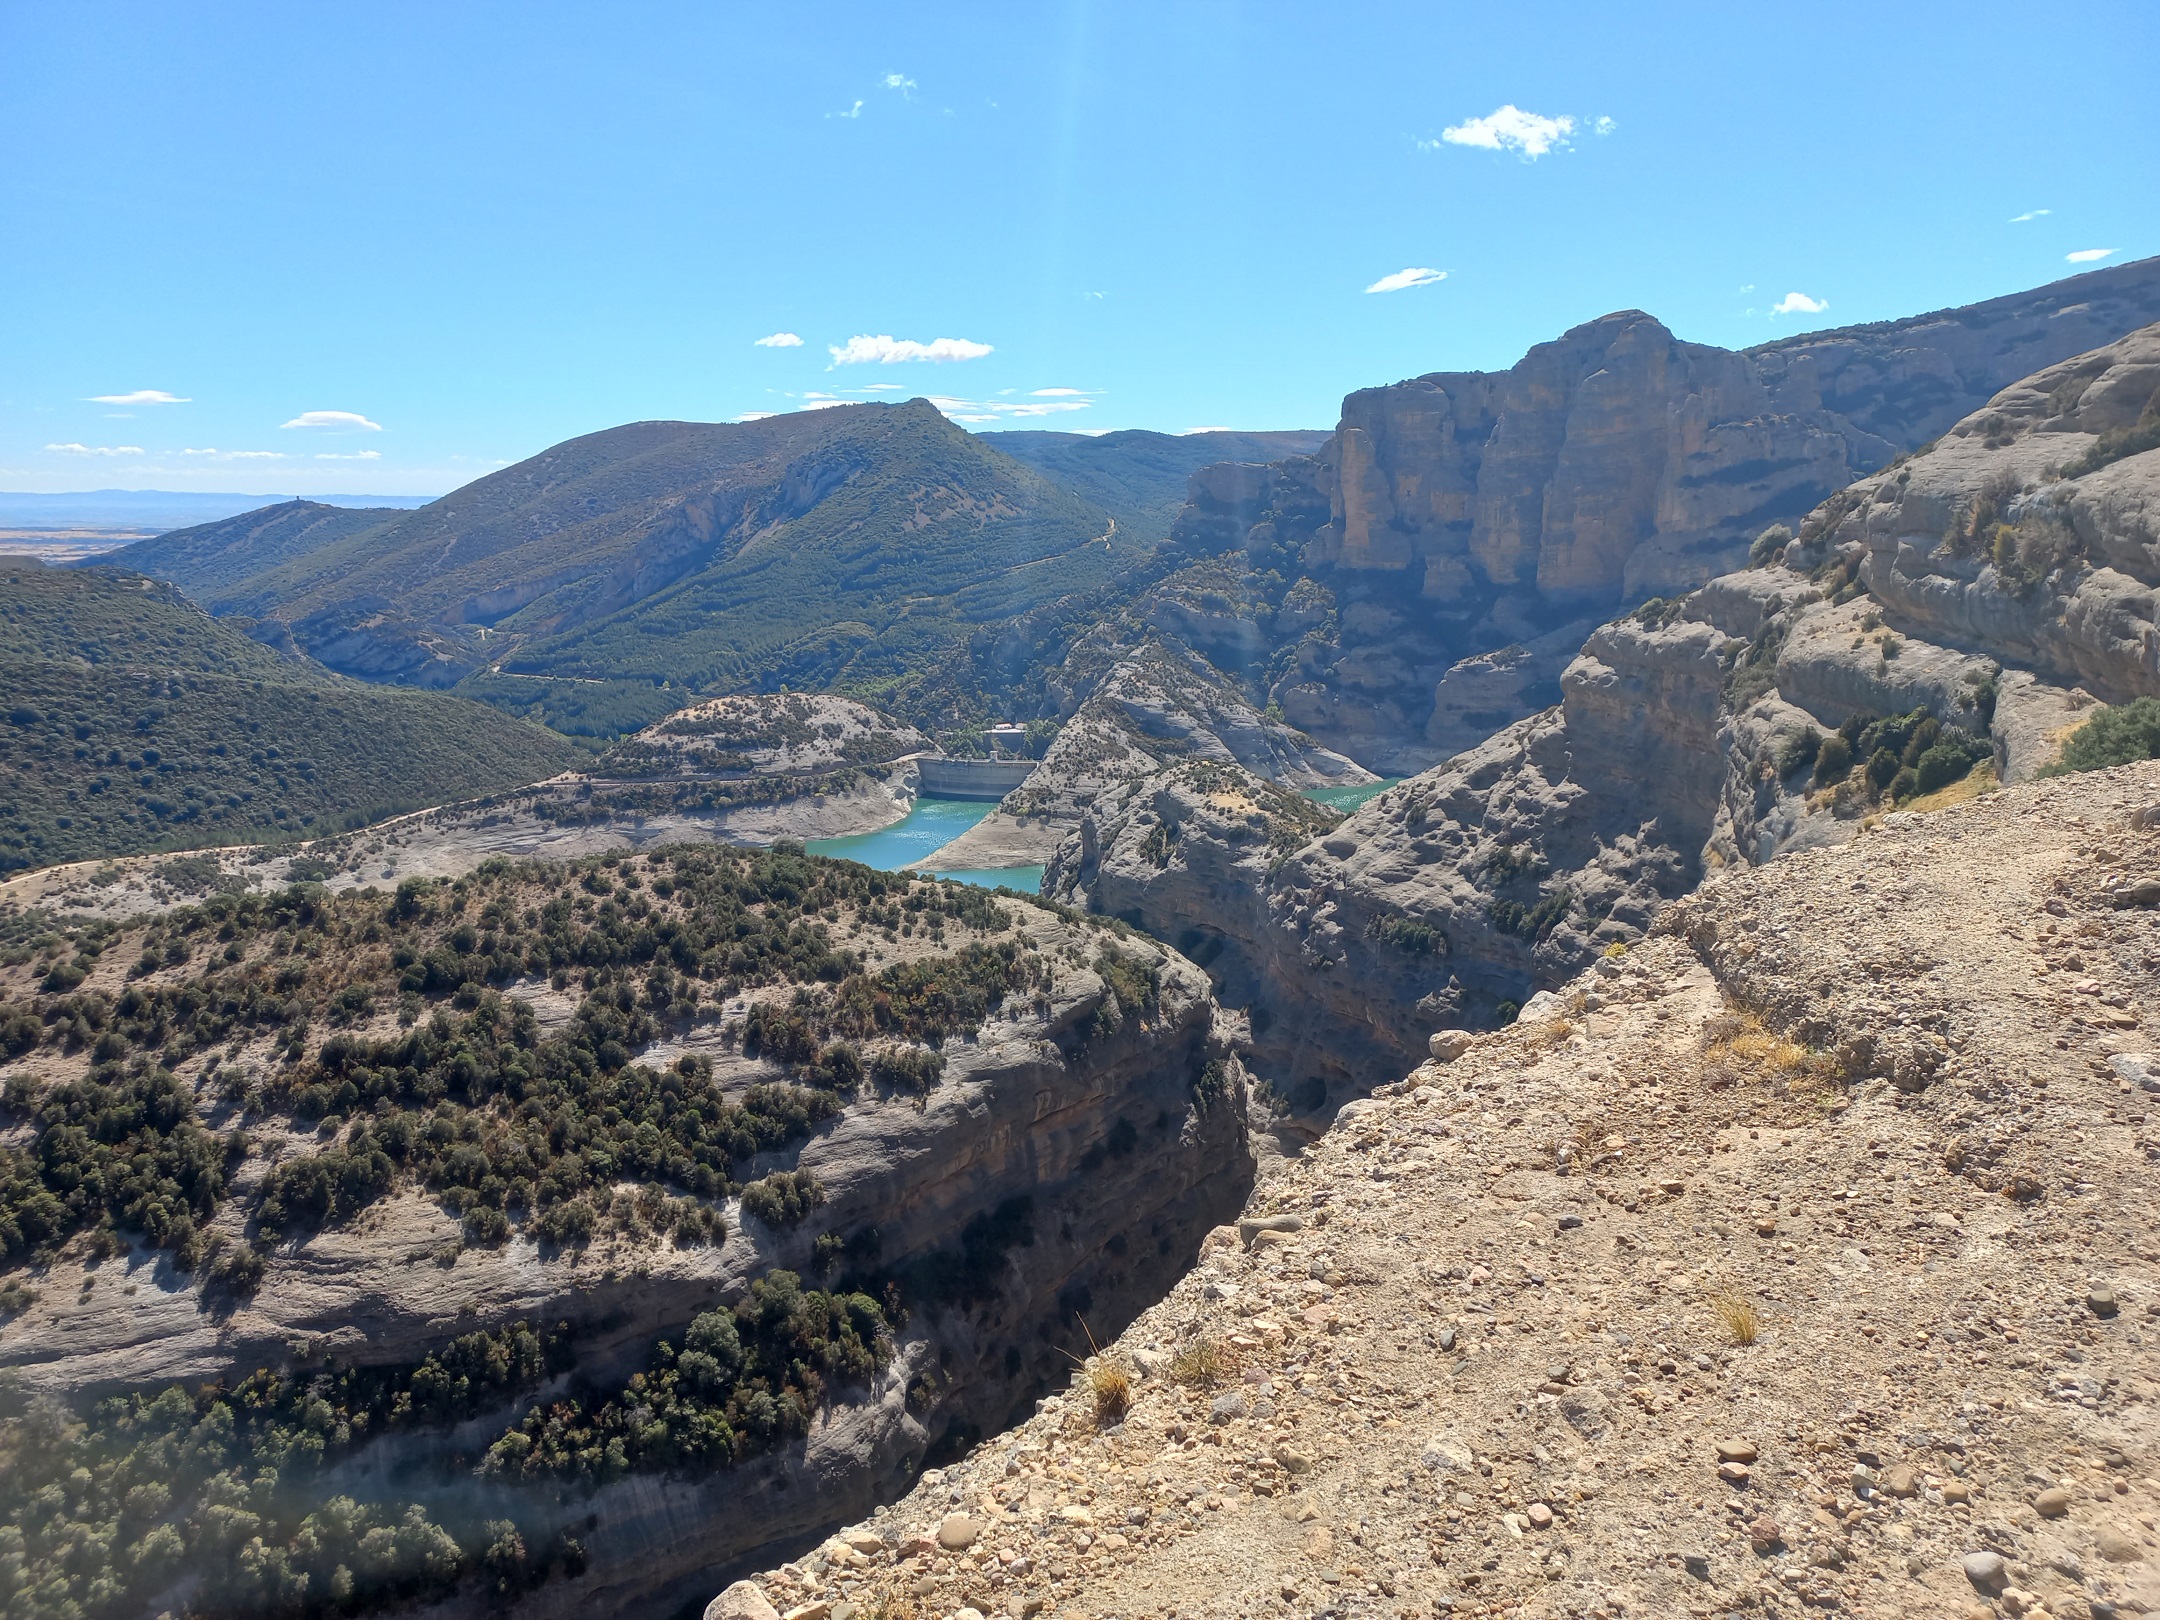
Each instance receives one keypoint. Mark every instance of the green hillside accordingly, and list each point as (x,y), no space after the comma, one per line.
(207,559)
(134,721)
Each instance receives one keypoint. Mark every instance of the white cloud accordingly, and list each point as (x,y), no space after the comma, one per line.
(1210,430)
(1799,303)
(853,112)
(357,455)
(237,455)
(779,340)
(756,416)
(900,82)
(2032,213)
(887,350)
(1510,129)
(97,449)
(141,396)
(1408,278)
(1056,393)
(345,420)
(1602,125)
(2087,255)
(1007,410)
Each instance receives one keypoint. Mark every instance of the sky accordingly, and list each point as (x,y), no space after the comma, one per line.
(300,249)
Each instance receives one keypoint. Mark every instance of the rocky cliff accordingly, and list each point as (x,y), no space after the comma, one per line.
(1026,1119)
(1978,599)
(1146,705)
(1460,516)
(1797,1261)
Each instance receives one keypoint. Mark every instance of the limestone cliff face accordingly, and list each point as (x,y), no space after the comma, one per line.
(1100,1122)
(1459,515)
(2002,582)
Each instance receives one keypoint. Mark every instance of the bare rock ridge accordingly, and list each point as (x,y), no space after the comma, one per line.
(1797,1261)
(1460,514)
(1146,706)
(1994,586)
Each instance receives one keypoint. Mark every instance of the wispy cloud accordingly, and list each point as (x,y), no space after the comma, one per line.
(852,112)
(1190,431)
(1601,125)
(2087,255)
(981,412)
(97,449)
(141,396)
(756,416)
(357,455)
(1799,303)
(343,420)
(2031,214)
(1509,129)
(213,454)
(886,350)
(1402,279)
(779,340)
(900,82)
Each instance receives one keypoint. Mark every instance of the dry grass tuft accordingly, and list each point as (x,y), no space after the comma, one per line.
(1737,1315)
(1110,1382)
(1200,1364)
(1742,1051)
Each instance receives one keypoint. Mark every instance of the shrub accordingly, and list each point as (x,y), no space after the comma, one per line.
(2141,436)
(2114,736)
(744,1381)
(1409,934)
(783,1198)
(1939,766)
(1769,545)
(908,1068)
(1798,750)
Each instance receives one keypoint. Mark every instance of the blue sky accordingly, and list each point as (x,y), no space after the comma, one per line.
(388,248)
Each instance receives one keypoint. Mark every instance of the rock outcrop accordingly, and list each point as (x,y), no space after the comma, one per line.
(1156,703)
(1458,514)
(1996,585)
(1797,1261)
(1064,1165)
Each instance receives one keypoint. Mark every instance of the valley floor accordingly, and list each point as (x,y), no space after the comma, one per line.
(1801,1258)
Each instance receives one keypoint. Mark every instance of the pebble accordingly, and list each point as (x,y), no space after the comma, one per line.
(957,1532)
(1763,1533)
(1901,1481)
(1227,1408)
(2052,1503)
(1737,1451)
(2117,1547)
(2100,1300)
(1539,1515)
(1733,1473)
(1985,1570)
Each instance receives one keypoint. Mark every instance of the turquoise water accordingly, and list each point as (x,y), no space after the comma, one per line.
(931,825)
(1348,799)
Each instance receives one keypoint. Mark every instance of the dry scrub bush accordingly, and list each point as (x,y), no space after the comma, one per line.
(1200,1364)
(1110,1382)
(1740,1051)
(1738,1316)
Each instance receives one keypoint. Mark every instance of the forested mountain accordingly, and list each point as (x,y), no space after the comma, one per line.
(135,721)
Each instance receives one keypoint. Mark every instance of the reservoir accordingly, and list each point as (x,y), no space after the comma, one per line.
(932,824)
